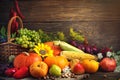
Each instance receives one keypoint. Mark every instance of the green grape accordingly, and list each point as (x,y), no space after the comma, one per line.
(20,40)
(24,37)
(61,36)
(27,42)
(28,38)
(31,45)
(24,45)
(76,36)
(16,38)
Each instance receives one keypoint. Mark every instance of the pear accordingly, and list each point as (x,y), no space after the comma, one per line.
(55,70)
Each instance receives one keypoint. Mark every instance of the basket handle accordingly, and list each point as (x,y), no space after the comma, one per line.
(9,26)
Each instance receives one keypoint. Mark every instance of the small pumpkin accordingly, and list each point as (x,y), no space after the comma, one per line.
(26,59)
(61,61)
(39,69)
(50,60)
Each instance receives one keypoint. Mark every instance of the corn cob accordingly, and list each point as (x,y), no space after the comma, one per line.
(77,55)
(67,47)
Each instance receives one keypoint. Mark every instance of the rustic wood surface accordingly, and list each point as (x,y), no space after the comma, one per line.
(104,76)
(64,10)
(96,76)
(99,20)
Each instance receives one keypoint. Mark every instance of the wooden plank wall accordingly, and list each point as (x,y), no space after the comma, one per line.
(99,20)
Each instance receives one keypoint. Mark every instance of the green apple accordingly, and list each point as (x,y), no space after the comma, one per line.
(55,70)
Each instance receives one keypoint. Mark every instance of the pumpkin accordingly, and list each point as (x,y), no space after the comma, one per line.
(50,60)
(26,59)
(61,61)
(39,69)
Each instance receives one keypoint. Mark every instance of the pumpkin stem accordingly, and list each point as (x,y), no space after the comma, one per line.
(26,53)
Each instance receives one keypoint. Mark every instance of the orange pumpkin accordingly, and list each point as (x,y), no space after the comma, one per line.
(26,59)
(61,61)
(50,60)
(39,69)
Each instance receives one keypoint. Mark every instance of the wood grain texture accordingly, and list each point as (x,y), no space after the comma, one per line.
(65,10)
(95,76)
(104,76)
(99,20)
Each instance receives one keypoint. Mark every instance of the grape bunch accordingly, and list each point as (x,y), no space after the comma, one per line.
(27,38)
(91,49)
(74,35)
(87,48)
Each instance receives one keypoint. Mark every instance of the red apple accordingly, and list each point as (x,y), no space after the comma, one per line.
(78,69)
(73,62)
(108,64)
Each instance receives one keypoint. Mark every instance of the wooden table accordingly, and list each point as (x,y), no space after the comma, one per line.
(95,76)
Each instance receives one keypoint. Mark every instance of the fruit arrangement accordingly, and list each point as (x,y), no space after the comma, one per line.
(53,57)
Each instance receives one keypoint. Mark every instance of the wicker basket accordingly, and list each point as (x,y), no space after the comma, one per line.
(9,48)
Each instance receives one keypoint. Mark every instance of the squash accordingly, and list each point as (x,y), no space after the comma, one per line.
(60,61)
(38,69)
(26,59)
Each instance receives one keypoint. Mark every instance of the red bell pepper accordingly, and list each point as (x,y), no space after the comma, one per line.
(21,73)
(10,71)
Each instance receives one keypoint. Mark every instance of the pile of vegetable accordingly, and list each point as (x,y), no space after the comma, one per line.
(53,55)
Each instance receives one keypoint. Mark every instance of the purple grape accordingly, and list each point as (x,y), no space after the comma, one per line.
(74,43)
(87,49)
(81,47)
(95,50)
